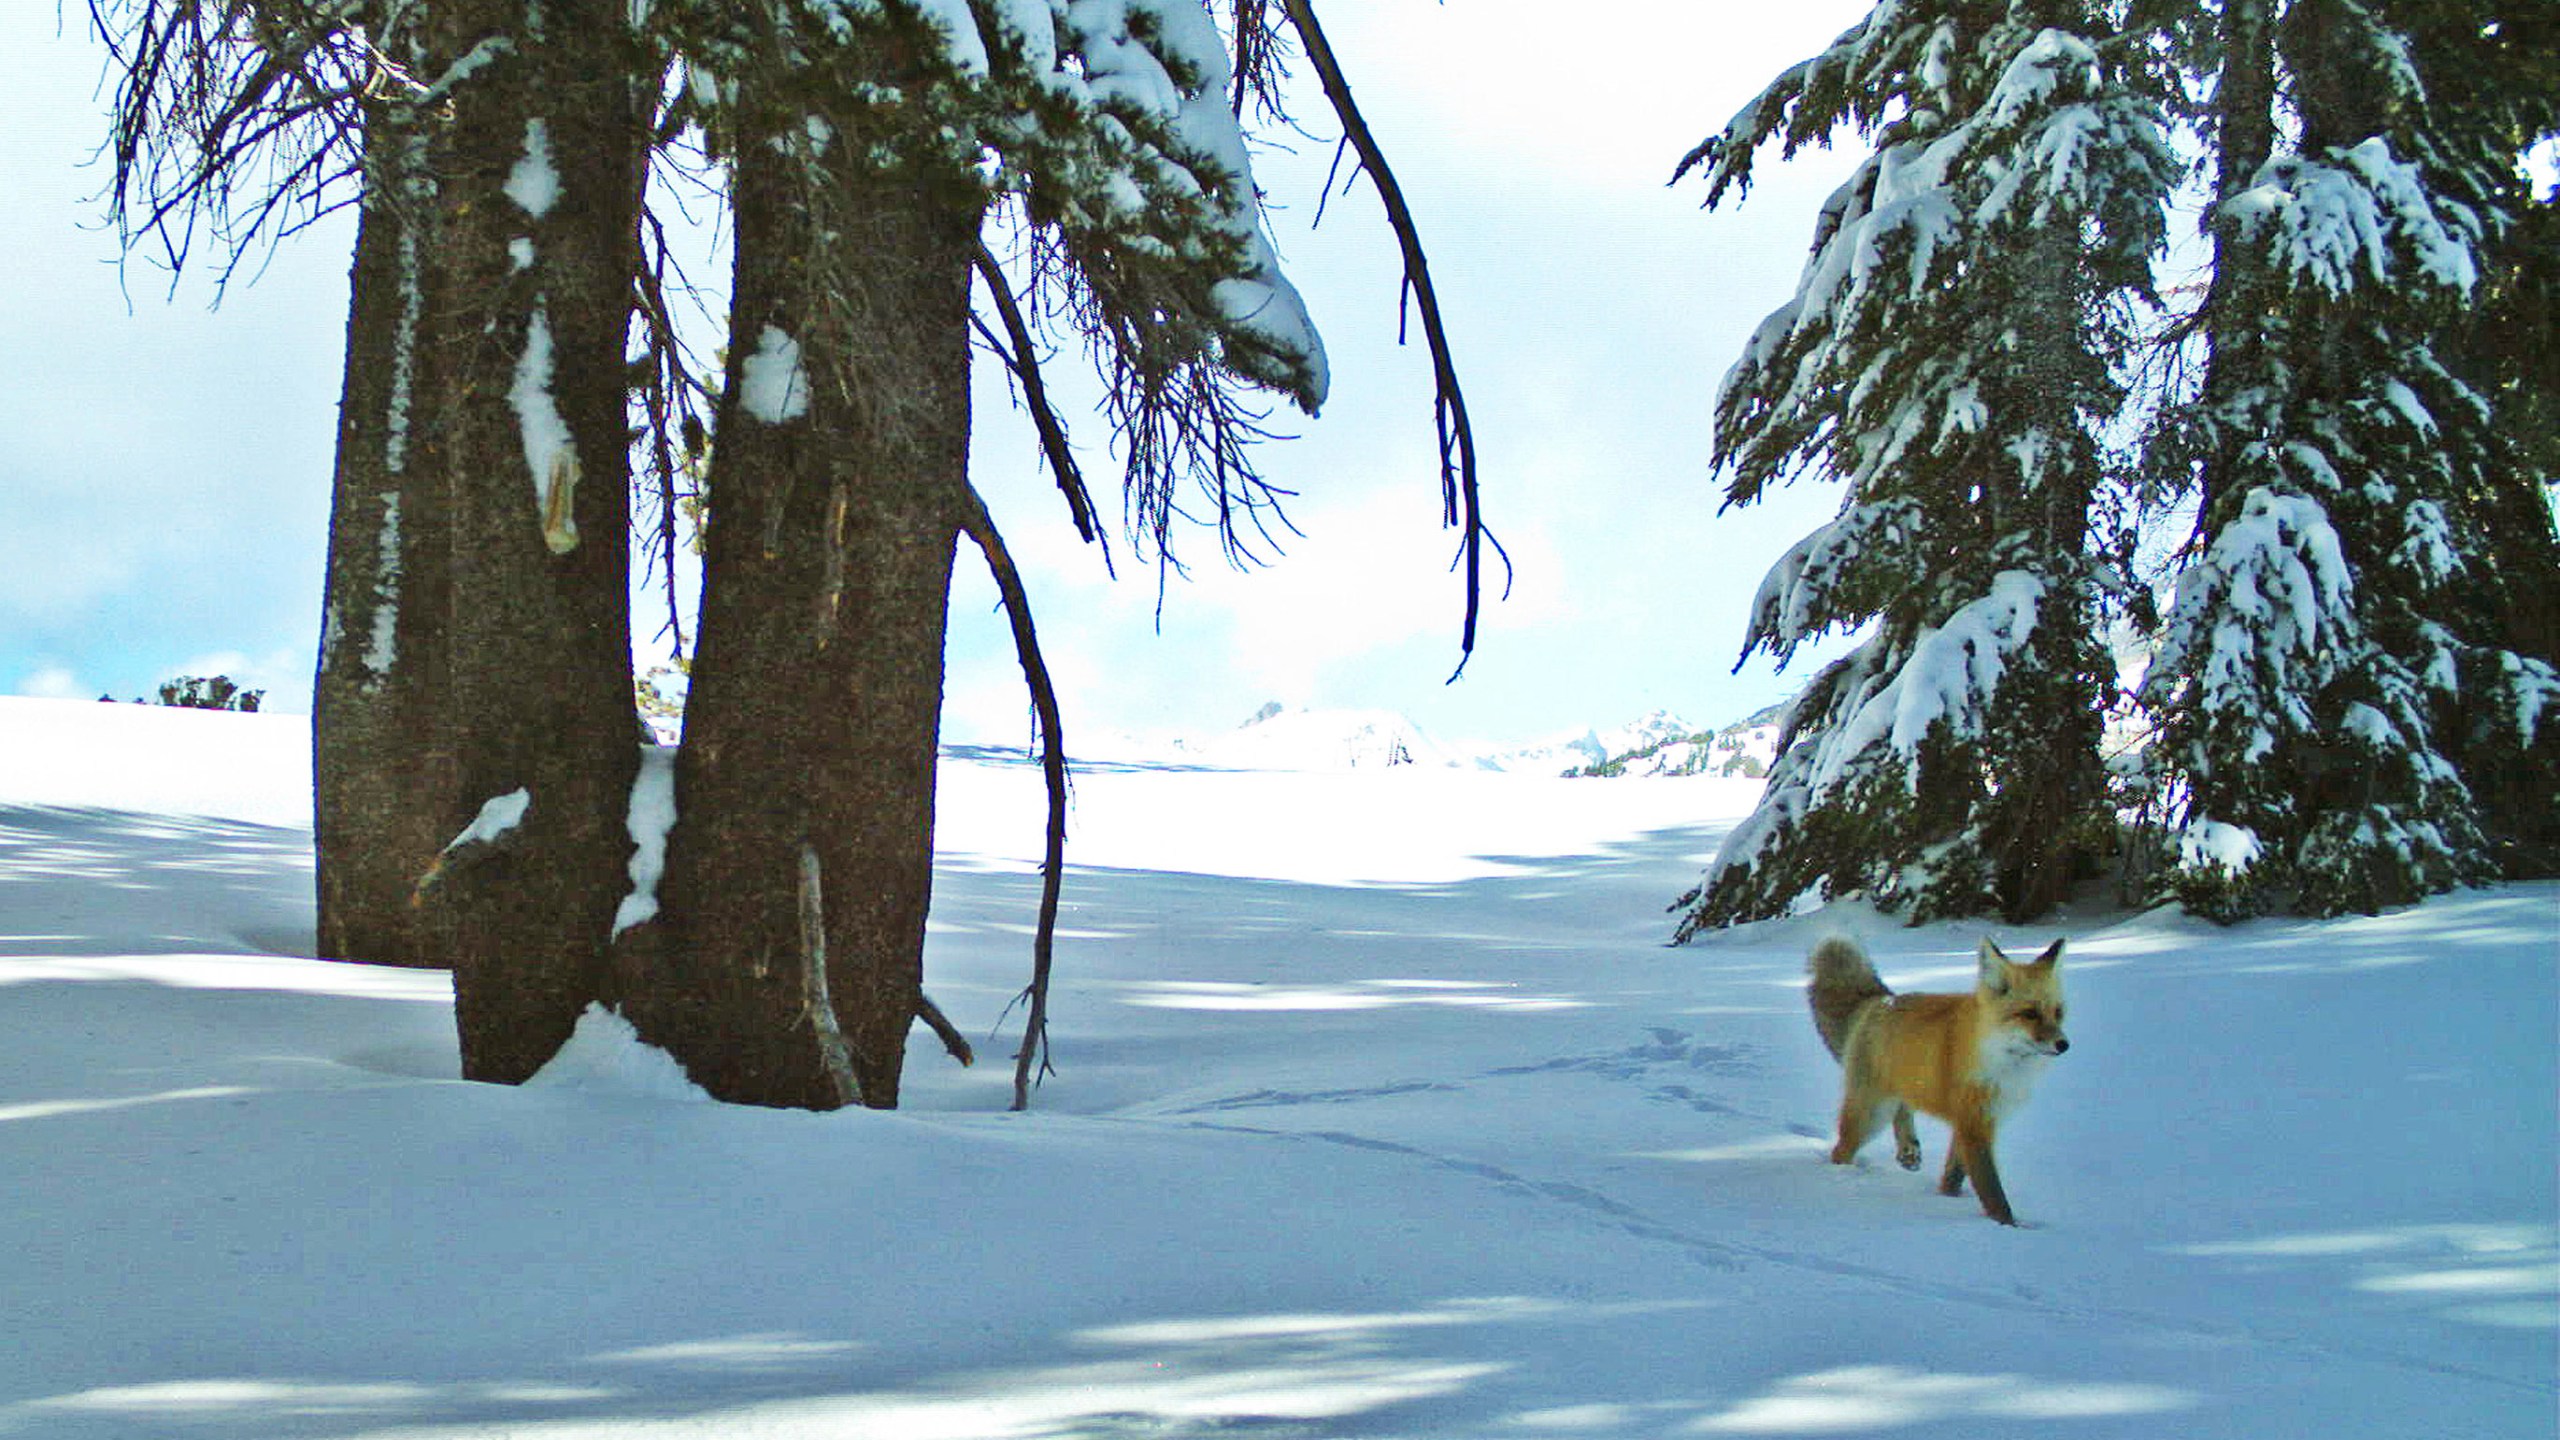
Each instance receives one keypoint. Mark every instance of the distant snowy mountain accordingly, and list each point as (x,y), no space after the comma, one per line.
(1279,737)
(1659,744)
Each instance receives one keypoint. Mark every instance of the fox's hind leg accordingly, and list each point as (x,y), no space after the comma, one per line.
(1906,1141)
(1858,1117)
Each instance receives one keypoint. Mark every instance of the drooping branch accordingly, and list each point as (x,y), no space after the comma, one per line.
(236,122)
(981,527)
(1017,351)
(1460,501)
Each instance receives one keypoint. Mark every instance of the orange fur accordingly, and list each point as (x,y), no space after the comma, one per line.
(1968,1059)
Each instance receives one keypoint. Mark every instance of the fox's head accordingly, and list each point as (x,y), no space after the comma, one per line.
(2025,999)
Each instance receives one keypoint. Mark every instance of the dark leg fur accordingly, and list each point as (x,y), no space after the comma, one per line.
(1974,1148)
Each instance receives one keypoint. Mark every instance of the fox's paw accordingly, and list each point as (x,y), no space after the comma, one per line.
(1907,1156)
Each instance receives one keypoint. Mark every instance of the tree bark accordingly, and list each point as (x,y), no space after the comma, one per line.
(384,790)
(814,715)
(540,171)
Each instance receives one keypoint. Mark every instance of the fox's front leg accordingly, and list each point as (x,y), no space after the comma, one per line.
(1906,1140)
(1970,1154)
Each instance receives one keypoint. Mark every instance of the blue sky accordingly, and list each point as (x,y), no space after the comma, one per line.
(164,463)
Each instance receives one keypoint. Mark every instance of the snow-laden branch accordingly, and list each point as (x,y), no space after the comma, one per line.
(2357,216)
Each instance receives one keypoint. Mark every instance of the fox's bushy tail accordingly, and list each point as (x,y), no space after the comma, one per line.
(1841,981)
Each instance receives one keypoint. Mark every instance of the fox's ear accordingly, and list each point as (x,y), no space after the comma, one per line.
(1995,968)
(2052,954)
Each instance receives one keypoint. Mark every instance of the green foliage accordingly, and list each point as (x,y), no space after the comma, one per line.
(1956,352)
(2353,699)
(2357,670)
(209,692)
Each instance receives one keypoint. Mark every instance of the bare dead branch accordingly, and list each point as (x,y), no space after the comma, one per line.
(240,124)
(979,526)
(1461,504)
(952,1040)
(1022,358)
(816,1006)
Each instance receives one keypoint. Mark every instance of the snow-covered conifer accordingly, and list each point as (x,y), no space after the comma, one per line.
(2355,706)
(1952,353)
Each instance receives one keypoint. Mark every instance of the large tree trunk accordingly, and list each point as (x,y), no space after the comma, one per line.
(385,794)
(803,848)
(540,204)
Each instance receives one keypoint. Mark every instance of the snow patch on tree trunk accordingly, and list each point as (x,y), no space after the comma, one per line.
(534,183)
(380,655)
(771,383)
(652,815)
(419,185)
(497,816)
(550,452)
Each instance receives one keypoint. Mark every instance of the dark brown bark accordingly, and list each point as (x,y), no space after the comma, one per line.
(816,696)
(384,790)
(541,653)
(2235,307)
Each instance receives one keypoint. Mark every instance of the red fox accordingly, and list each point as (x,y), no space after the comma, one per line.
(1967,1059)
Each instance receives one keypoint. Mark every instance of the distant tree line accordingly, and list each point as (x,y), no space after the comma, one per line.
(203,692)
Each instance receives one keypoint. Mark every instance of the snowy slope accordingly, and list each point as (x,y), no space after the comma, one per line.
(1383,1113)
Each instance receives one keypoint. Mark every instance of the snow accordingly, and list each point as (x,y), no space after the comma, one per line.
(1126,70)
(384,649)
(606,1056)
(652,815)
(419,184)
(1382,1112)
(965,47)
(2358,215)
(550,453)
(2273,591)
(498,815)
(771,383)
(2218,844)
(1955,669)
(534,183)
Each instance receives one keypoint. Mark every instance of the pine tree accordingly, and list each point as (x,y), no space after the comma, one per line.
(868,147)
(1953,353)
(479,575)
(2356,705)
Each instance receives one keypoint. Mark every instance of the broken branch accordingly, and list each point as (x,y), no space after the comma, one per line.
(981,527)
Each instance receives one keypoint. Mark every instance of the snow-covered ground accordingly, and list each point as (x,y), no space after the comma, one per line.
(1383,1112)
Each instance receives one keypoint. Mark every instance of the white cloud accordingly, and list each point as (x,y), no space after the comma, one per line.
(54,682)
